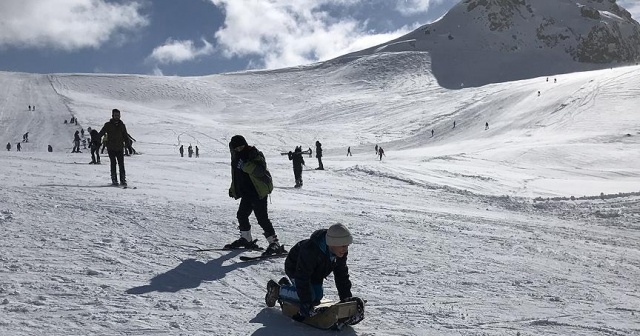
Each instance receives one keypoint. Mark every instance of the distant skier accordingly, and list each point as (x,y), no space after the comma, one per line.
(82,132)
(117,132)
(181,149)
(376,149)
(308,263)
(197,152)
(432,133)
(486,126)
(319,155)
(8,146)
(95,147)
(454,124)
(49,148)
(29,107)
(298,162)
(190,150)
(381,153)
(310,152)
(25,137)
(18,146)
(349,151)
(128,145)
(76,142)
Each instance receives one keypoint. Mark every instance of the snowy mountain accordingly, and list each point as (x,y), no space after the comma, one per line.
(490,41)
(529,226)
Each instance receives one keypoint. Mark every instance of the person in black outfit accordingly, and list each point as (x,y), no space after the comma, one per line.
(319,155)
(95,147)
(251,182)
(117,134)
(181,150)
(298,162)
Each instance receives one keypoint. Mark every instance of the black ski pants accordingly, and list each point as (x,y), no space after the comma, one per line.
(259,207)
(95,154)
(115,155)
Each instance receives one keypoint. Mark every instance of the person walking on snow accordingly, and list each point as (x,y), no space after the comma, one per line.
(319,155)
(381,152)
(349,151)
(197,152)
(308,263)
(298,162)
(251,182)
(117,135)
(18,147)
(486,126)
(190,150)
(376,149)
(181,149)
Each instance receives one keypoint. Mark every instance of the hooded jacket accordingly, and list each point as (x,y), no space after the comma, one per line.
(310,261)
(253,179)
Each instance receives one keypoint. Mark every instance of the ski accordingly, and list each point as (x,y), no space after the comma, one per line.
(228,249)
(264,257)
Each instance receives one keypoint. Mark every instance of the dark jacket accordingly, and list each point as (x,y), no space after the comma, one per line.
(298,160)
(116,134)
(318,149)
(310,261)
(254,179)
(95,139)
(76,136)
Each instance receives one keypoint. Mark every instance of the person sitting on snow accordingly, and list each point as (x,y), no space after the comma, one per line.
(309,262)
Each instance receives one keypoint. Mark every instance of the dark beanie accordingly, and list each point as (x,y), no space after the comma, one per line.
(237,140)
(115,111)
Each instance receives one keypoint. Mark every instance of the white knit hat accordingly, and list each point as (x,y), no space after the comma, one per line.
(338,235)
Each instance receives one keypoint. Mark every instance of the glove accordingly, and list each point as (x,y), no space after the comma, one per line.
(240,164)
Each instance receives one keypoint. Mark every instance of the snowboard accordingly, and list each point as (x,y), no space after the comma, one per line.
(331,315)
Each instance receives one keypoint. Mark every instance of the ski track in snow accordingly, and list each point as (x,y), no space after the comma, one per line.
(449,239)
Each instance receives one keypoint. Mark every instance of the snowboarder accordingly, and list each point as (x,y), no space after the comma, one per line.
(8,146)
(486,126)
(76,142)
(181,150)
(18,147)
(251,182)
(190,150)
(349,151)
(197,152)
(319,155)
(117,132)
(309,262)
(95,147)
(381,152)
(298,162)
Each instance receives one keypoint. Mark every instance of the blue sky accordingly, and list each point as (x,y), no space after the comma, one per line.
(200,37)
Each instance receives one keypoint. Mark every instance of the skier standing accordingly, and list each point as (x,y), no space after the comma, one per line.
(181,150)
(95,147)
(8,146)
(117,135)
(349,151)
(381,152)
(190,150)
(319,155)
(76,142)
(298,162)
(251,182)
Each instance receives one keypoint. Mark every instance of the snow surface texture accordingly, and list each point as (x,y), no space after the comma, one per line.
(528,228)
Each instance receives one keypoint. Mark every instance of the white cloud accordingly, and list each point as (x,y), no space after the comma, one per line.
(412,7)
(179,51)
(632,6)
(66,24)
(286,33)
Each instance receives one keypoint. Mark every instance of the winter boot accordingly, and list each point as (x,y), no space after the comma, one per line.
(274,246)
(114,182)
(273,293)
(244,242)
